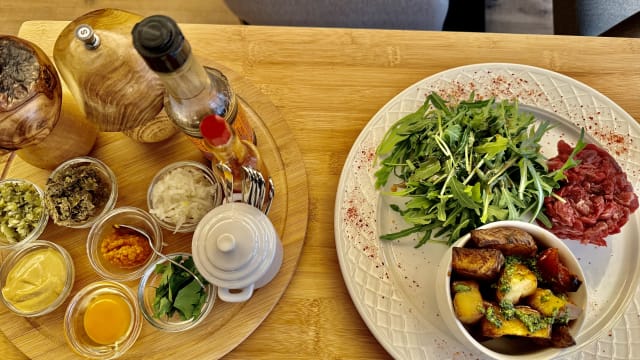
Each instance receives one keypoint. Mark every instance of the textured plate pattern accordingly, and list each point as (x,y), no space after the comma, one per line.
(390,283)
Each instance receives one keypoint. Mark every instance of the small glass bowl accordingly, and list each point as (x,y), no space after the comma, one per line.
(188,226)
(66,282)
(146,295)
(74,328)
(38,227)
(108,178)
(105,226)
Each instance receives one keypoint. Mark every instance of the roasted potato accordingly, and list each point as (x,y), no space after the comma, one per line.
(509,240)
(548,304)
(467,301)
(494,324)
(516,282)
(479,264)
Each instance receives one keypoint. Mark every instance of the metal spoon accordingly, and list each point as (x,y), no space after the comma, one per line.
(143,233)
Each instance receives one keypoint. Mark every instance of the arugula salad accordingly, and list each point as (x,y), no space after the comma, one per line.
(463,165)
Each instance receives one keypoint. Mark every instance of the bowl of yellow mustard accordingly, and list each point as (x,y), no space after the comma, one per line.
(36,279)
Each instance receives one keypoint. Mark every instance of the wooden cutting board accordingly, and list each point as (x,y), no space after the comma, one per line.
(135,164)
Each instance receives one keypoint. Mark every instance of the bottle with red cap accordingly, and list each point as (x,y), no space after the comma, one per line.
(193,91)
(227,148)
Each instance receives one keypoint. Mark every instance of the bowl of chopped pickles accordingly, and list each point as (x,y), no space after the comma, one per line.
(79,191)
(170,298)
(181,194)
(102,320)
(23,215)
(36,279)
(512,290)
(118,243)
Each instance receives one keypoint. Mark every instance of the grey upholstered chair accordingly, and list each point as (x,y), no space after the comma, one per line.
(597,17)
(384,14)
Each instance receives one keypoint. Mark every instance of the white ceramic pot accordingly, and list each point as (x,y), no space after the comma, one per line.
(236,248)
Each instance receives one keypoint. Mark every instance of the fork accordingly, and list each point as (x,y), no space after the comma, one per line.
(254,191)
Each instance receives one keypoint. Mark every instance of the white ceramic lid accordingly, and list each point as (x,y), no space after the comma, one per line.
(234,245)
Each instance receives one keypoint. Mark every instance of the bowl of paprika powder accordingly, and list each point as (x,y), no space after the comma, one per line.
(120,253)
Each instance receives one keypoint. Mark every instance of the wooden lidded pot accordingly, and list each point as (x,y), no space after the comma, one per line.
(38,119)
(30,94)
(113,86)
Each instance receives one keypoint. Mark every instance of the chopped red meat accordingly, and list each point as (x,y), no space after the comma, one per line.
(598,198)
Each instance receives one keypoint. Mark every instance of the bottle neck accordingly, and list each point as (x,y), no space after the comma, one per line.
(233,152)
(187,82)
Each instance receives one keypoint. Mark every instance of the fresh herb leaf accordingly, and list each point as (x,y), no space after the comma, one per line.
(178,291)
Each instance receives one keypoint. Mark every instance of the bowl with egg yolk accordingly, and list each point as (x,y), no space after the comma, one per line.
(102,320)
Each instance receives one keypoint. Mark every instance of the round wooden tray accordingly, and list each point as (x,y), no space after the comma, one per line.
(135,164)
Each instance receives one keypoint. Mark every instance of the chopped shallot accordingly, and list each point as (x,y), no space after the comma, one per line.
(182,196)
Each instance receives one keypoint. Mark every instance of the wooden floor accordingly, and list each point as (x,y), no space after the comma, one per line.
(15,12)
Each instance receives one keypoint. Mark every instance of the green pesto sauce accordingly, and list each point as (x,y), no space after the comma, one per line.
(458,288)
(492,317)
(533,322)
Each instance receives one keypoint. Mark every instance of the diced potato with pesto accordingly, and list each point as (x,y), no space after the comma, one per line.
(516,282)
(520,321)
(498,290)
(467,301)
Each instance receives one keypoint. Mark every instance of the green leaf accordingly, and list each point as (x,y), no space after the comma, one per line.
(463,199)
(426,170)
(492,148)
(187,299)
(177,290)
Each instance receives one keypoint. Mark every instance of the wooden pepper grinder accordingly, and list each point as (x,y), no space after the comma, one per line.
(109,80)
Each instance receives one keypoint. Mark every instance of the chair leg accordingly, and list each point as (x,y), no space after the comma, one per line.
(465,15)
(565,17)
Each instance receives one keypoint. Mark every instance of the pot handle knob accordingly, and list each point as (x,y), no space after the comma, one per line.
(235,295)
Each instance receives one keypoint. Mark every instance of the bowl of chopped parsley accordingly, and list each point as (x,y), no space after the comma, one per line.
(23,216)
(170,298)
(79,191)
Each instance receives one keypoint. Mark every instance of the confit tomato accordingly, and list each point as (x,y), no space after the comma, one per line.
(555,274)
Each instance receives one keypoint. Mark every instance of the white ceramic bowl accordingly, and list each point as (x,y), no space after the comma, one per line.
(504,348)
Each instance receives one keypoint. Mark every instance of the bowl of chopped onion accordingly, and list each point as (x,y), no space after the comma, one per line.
(181,194)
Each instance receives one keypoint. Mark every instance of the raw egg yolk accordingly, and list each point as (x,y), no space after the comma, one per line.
(107,319)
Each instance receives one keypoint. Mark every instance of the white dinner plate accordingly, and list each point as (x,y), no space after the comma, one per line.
(392,283)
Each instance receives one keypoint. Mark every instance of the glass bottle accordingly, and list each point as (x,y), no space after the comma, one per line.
(227,148)
(192,91)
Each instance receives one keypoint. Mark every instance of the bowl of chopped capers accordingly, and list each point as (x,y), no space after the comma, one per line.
(23,216)
(79,191)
